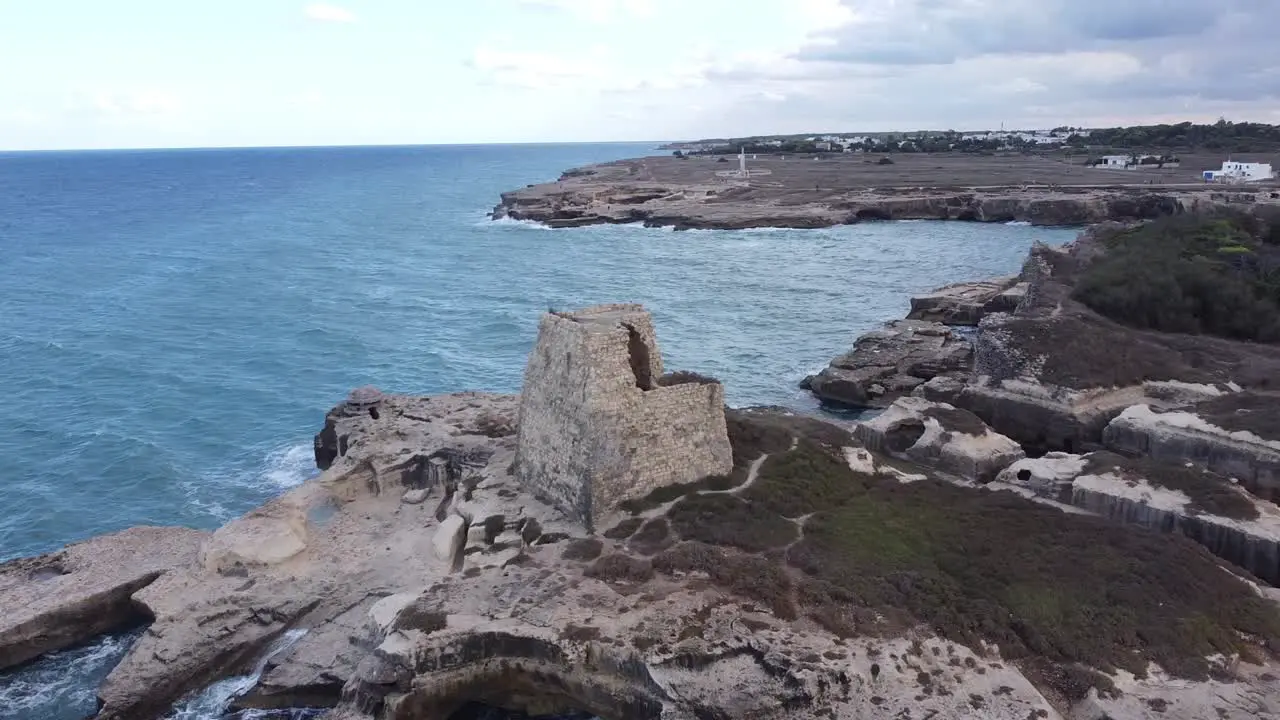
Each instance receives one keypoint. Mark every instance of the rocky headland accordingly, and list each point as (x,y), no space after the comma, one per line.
(695,193)
(614,541)
(1154,407)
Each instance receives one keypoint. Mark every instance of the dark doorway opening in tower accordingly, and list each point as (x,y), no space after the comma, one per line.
(638,352)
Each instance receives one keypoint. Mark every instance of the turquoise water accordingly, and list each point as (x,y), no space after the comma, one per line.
(174,324)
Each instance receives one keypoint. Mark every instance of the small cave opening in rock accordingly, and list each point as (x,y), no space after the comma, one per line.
(373,413)
(638,352)
(480,711)
(902,436)
(873,214)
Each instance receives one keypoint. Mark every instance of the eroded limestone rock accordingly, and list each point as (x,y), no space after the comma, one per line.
(892,362)
(940,436)
(967,303)
(1221,434)
(64,598)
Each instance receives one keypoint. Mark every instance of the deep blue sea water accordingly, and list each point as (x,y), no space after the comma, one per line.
(174,324)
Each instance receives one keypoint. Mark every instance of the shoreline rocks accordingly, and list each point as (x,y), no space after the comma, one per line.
(64,598)
(892,362)
(968,302)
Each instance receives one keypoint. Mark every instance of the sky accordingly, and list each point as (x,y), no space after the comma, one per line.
(182,73)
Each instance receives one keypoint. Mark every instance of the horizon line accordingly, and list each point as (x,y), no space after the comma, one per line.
(335,146)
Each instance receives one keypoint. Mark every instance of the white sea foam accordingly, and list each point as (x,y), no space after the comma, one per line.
(1018,223)
(289,467)
(62,680)
(212,703)
(282,469)
(512,222)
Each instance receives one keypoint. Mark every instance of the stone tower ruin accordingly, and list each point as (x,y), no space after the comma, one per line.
(599,424)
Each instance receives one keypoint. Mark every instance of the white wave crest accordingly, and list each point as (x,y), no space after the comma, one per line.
(289,467)
(63,683)
(512,222)
(212,703)
(223,495)
(1018,223)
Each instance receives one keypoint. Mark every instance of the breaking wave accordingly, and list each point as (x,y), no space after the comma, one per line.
(49,688)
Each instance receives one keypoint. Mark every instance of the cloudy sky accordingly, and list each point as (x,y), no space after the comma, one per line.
(169,73)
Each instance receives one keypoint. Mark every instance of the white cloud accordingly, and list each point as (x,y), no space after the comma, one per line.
(22,116)
(600,12)
(136,103)
(540,71)
(324,12)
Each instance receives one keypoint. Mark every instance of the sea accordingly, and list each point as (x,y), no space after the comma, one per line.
(174,324)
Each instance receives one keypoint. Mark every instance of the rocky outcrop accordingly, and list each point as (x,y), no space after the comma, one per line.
(1052,374)
(535,615)
(64,598)
(329,445)
(608,195)
(815,578)
(1221,434)
(967,303)
(1208,508)
(316,558)
(940,436)
(887,364)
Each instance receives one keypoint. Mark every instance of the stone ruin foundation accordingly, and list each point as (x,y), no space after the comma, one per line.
(598,423)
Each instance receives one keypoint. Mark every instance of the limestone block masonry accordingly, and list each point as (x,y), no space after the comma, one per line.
(597,425)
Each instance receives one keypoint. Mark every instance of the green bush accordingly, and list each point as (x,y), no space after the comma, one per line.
(1196,274)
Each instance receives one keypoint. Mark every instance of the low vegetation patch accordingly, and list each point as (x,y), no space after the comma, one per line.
(1201,274)
(1209,492)
(1258,413)
(1034,580)
(752,433)
(748,576)
(652,538)
(732,522)
(813,477)
(1089,352)
(1064,590)
(619,567)
(583,549)
(665,494)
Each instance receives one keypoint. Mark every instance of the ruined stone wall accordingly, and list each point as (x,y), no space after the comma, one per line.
(664,437)
(596,429)
(553,427)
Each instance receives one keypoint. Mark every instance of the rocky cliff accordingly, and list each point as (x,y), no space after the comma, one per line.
(818,577)
(591,200)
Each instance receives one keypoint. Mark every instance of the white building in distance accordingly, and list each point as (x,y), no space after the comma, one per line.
(1240,172)
(1116,162)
